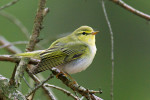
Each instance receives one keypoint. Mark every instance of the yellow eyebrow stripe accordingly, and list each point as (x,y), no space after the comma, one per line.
(85,31)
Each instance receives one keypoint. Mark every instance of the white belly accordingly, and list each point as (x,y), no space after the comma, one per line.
(81,64)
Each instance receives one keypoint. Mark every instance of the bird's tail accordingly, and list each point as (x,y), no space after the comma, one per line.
(34,54)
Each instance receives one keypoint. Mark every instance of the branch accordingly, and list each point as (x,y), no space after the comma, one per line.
(12,43)
(50,95)
(8,92)
(37,26)
(12,79)
(14,59)
(12,49)
(131,9)
(39,85)
(32,42)
(88,94)
(112,49)
(63,90)
(75,87)
(9,4)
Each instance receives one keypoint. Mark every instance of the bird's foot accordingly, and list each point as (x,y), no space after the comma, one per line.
(72,81)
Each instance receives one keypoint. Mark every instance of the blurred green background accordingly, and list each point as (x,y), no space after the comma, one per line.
(131,39)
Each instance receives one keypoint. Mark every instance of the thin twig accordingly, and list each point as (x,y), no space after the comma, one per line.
(39,85)
(12,49)
(82,98)
(37,26)
(11,81)
(26,82)
(63,90)
(13,43)
(31,83)
(75,92)
(9,4)
(112,49)
(17,22)
(14,59)
(31,97)
(48,93)
(40,76)
(131,9)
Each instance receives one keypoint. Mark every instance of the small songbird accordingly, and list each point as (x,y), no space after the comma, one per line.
(70,54)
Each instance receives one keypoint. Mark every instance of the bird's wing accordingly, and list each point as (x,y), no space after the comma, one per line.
(59,55)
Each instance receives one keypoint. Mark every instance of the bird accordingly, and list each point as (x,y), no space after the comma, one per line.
(70,54)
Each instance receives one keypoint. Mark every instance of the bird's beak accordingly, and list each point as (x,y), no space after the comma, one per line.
(95,32)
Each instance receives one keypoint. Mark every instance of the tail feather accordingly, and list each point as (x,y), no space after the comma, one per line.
(34,54)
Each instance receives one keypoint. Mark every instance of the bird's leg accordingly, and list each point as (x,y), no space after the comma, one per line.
(73,80)
(60,73)
(67,76)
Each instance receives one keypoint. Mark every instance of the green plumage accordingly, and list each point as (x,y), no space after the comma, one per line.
(59,55)
(71,54)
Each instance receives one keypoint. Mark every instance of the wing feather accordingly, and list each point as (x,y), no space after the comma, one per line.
(59,55)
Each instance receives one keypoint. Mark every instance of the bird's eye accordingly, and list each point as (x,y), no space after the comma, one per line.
(84,33)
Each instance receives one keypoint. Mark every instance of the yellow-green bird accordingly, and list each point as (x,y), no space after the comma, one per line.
(70,54)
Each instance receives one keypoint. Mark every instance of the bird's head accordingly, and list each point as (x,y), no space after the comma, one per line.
(85,34)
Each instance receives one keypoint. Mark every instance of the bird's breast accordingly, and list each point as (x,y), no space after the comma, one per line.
(82,63)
